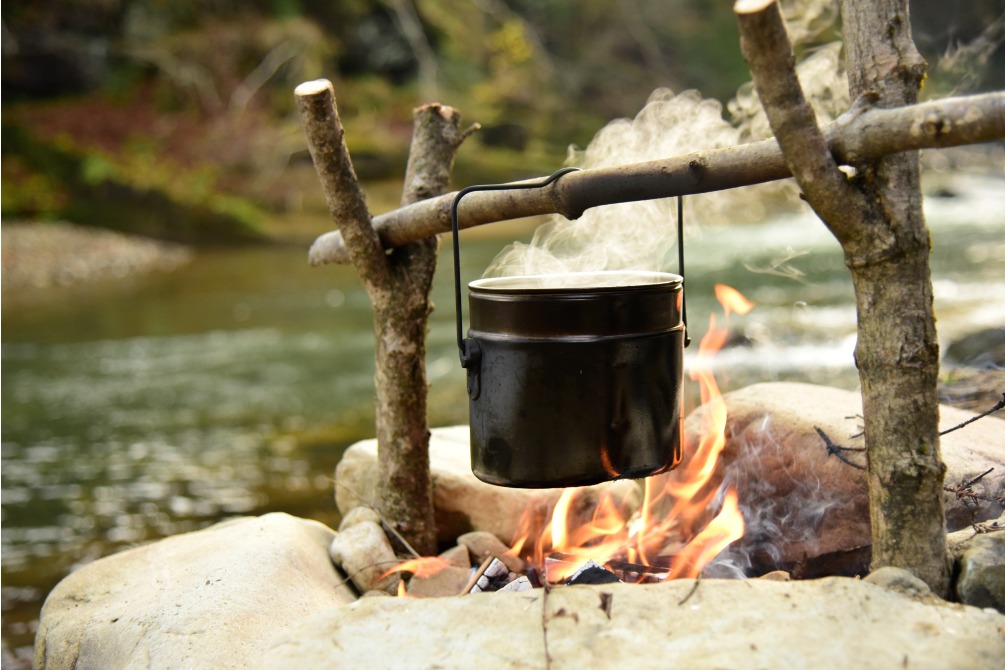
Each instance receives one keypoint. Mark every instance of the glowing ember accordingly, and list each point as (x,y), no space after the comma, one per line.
(666,526)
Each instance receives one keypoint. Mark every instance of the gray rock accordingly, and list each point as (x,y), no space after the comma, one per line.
(985,348)
(208,599)
(462,502)
(900,580)
(981,566)
(827,623)
(364,553)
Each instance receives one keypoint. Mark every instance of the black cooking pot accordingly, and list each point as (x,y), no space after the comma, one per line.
(573,379)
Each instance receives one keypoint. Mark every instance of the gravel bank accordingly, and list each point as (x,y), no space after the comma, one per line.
(39,255)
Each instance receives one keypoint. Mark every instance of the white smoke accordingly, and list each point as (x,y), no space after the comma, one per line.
(642,235)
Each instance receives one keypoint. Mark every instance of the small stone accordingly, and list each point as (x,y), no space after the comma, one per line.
(449,581)
(482,544)
(898,579)
(364,553)
(981,563)
(458,556)
(357,515)
(777,576)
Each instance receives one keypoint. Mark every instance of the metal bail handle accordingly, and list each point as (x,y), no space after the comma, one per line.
(469,350)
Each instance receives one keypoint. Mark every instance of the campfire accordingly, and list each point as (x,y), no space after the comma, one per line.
(681,525)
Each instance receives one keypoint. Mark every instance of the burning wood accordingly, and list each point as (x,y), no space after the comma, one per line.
(492,575)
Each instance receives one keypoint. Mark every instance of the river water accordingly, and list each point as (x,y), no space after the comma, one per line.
(146,407)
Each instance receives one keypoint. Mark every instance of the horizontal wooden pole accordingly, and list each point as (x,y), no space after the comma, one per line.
(862,134)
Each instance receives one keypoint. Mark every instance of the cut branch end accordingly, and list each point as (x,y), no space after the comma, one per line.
(314,87)
(751,6)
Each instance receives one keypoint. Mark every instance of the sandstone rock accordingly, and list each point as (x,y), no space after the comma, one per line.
(807,511)
(459,557)
(358,515)
(482,545)
(981,563)
(827,623)
(449,581)
(364,553)
(463,502)
(207,599)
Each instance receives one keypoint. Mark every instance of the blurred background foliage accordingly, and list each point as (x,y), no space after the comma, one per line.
(176,119)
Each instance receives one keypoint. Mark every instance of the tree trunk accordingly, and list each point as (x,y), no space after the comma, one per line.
(876,216)
(897,352)
(400,325)
(398,286)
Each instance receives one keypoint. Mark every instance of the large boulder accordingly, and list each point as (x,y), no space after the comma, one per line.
(207,599)
(827,623)
(463,503)
(805,505)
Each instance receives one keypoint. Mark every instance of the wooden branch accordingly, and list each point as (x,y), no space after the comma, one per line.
(862,134)
(400,326)
(765,45)
(326,141)
(435,141)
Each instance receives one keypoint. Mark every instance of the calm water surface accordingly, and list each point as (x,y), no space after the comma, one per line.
(231,386)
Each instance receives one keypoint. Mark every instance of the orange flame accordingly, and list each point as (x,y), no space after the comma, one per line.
(732,300)
(671,521)
(420,567)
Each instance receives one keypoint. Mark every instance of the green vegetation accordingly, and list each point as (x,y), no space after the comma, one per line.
(190,103)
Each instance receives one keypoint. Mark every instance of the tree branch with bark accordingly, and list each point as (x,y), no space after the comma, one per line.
(398,285)
(864,133)
(876,216)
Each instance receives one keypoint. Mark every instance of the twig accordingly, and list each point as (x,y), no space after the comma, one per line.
(965,491)
(836,449)
(998,406)
(697,580)
(979,477)
(388,528)
(544,619)
(984,528)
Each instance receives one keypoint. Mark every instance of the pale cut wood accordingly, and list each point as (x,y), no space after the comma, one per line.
(751,6)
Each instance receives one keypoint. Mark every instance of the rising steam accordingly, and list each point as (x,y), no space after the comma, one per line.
(642,235)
